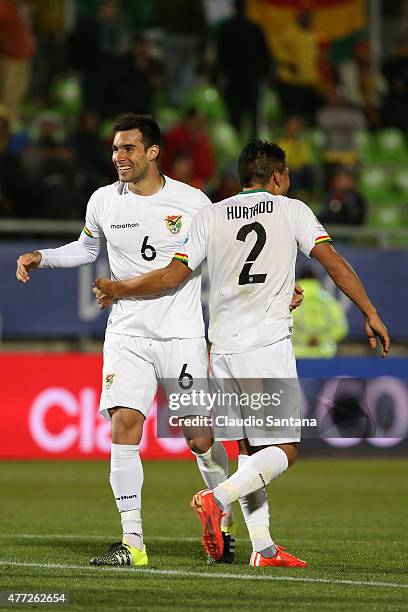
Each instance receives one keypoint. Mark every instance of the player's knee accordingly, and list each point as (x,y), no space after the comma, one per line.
(127,425)
(200,445)
(291,453)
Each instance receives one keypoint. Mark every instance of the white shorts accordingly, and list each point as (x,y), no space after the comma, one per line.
(133,365)
(264,370)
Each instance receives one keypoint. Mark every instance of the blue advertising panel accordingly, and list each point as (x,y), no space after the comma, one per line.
(60,302)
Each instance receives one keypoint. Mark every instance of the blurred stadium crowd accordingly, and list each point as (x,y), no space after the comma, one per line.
(214,76)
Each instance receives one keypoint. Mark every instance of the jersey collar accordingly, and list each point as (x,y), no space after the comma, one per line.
(254,191)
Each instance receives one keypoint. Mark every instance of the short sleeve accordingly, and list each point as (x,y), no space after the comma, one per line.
(194,248)
(308,230)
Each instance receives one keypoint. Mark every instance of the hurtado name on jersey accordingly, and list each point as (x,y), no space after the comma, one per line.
(247,212)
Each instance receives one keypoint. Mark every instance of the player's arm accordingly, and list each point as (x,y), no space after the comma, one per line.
(348,282)
(148,284)
(83,251)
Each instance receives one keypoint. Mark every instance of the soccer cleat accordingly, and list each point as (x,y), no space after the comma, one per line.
(228,554)
(281,559)
(121,553)
(209,514)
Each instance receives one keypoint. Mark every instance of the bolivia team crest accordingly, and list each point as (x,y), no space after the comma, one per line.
(174,223)
(109,380)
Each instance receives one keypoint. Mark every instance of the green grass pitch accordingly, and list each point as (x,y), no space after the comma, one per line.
(348,518)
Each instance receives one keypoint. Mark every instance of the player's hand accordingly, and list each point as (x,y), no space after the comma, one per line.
(102,290)
(375,328)
(297,297)
(26,263)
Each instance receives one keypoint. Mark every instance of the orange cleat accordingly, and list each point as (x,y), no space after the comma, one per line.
(281,559)
(209,514)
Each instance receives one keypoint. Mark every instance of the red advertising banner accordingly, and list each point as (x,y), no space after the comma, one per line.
(49,409)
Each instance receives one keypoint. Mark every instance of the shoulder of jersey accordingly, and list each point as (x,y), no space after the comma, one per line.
(175,186)
(112,188)
(236,198)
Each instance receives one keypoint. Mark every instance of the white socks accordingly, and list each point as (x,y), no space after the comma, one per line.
(126,479)
(259,470)
(255,509)
(213,466)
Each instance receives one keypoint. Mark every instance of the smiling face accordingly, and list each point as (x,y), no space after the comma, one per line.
(130,157)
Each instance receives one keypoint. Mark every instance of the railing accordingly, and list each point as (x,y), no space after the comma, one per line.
(356,236)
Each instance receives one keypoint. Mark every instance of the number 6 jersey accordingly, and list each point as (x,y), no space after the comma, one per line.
(142,233)
(251,242)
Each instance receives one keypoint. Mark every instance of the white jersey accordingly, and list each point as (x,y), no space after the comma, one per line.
(142,233)
(251,242)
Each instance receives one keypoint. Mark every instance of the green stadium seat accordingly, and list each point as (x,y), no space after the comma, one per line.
(385,216)
(208,100)
(366,145)
(374,184)
(167,118)
(67,94)
(392,145)
(271,107)
(225,140)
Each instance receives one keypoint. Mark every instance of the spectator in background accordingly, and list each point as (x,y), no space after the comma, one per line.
(137,78)
(228,185)
(344,204)
(190,137)
(363,86)
(182,169)
(244,62)
(396,102)
(54,174)
(184,25)
(93,155)
(12,179)
(341,124)
(48,61)
(321,323)
(96,46)
(296,52)
(298,155)
(17,45)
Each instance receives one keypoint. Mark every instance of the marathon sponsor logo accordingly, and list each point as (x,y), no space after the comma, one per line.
(124,225)
(123,497)
(248,212)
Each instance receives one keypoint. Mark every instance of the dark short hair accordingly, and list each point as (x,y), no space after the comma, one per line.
(257,162)
(148,127)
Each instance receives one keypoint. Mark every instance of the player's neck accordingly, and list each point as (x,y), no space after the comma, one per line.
(149,185)
(256,187)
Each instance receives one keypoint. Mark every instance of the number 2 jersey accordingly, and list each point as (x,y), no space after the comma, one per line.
(250,242)
(142,233)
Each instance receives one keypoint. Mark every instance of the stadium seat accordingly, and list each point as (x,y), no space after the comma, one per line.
(316,138)
(67,94)
(208,100)
(400,181)
(271,108)
(375,185)
(367,147)
(385,216)
(225,140)
(167,118)
(392,146)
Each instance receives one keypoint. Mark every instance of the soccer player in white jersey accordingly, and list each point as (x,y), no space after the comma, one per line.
(251,242)
(144,217)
